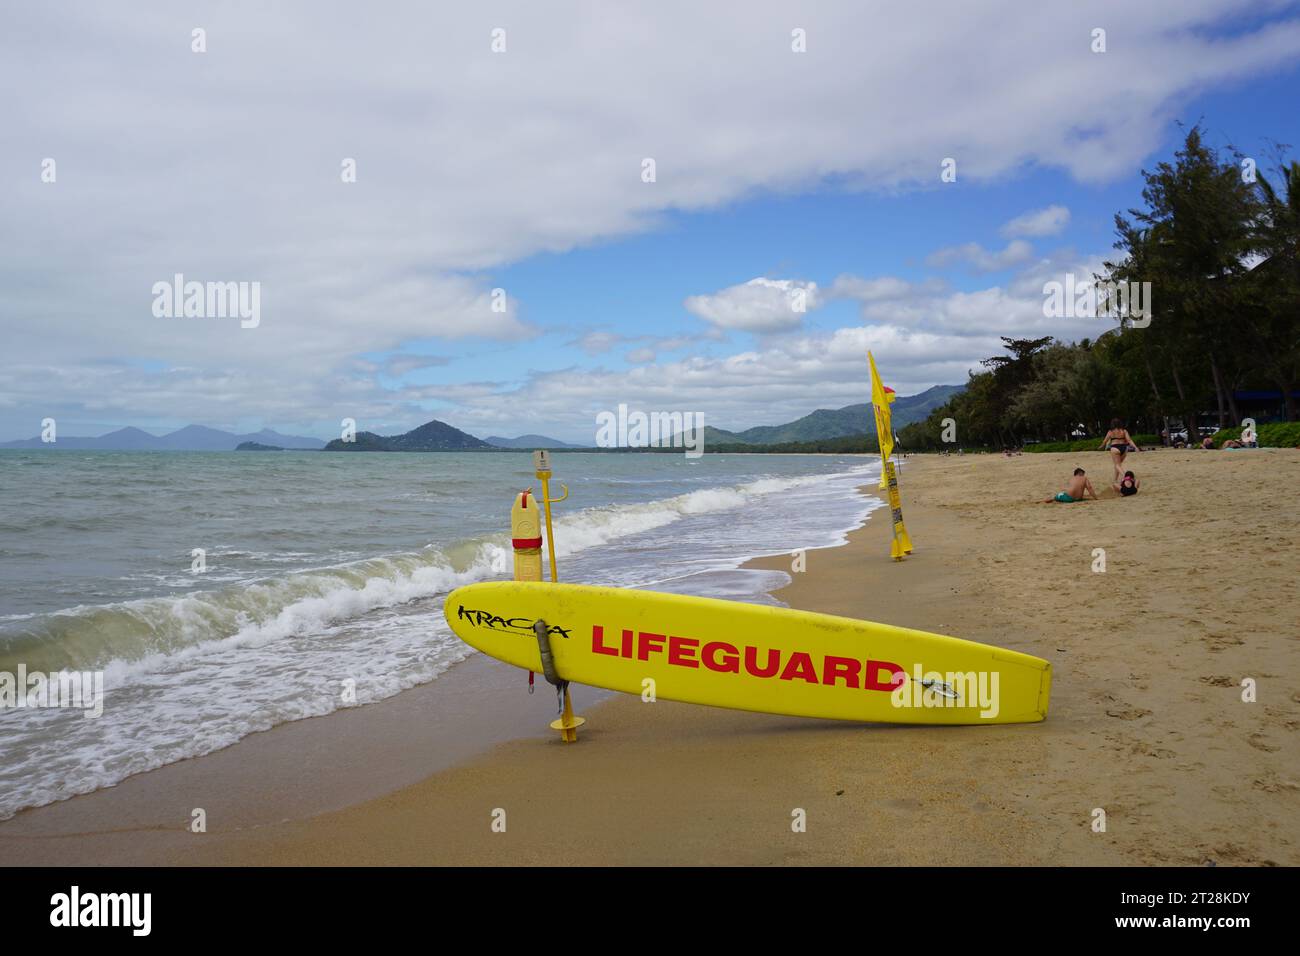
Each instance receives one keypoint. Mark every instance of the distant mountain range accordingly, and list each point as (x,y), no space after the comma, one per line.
(821,425)
(528,441)
(836,423)
(189,438)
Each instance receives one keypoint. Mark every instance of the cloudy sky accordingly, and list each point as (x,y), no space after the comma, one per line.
(780,176)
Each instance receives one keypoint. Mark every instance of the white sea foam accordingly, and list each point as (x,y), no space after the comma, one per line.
(189,674)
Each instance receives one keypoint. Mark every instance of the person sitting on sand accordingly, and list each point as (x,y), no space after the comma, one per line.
(1128,485)
(1119,443)
(1076,489)
(1232,443)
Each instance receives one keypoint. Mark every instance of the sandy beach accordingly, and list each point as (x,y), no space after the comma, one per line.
(1147,721)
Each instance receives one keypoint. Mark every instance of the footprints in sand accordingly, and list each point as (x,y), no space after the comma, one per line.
(1127,713)
(1260,742)
(1218,640)
(1219,681)
(1232,854)
(1273,785)
(1118,708)
(1141,749)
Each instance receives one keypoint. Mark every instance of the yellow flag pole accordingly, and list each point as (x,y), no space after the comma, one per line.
(902,543)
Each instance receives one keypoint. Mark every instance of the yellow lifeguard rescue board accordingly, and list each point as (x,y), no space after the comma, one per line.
(750,657)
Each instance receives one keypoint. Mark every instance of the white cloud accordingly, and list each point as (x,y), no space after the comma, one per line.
(1012,309)
(980,259)
(764,386)
(759,305)
(869,290)
(1048,221)
(225,165)
(921,334)
(599,342)
(396,366)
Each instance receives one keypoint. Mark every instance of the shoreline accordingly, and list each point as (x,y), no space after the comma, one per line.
(292,771)
(1145,724)
(669,783)
(266,778)
(729,578)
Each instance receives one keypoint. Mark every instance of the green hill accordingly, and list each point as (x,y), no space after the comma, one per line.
(527,442)
(431,436)
(825,423)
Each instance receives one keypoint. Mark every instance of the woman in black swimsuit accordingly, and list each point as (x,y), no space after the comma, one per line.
(1119,443)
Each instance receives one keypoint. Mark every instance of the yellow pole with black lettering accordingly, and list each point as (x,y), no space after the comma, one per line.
(880,399)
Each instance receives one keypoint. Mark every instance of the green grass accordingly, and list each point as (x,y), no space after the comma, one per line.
(1088,444)
(1275,435)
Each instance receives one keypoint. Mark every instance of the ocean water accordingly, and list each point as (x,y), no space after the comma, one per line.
(322,569)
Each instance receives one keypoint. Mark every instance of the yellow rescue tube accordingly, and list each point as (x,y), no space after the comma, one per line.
(526,537)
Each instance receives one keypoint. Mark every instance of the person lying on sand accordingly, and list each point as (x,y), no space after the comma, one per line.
(1128,485)
(1076,489)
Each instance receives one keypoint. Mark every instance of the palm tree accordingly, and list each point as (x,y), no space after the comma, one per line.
(1273,323)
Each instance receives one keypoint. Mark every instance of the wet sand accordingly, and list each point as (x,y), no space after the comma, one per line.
(1147,721)
(291,772)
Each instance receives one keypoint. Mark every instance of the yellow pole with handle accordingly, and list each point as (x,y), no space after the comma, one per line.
(542,466)
(569,722)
